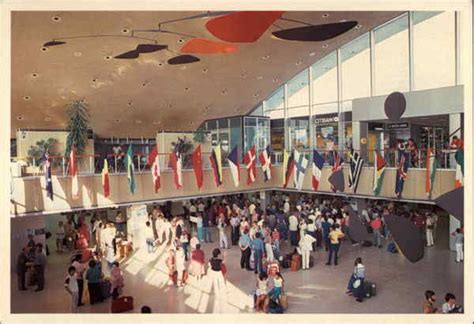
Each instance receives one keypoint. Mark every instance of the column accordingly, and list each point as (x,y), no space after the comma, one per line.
(359,132)
(285,116)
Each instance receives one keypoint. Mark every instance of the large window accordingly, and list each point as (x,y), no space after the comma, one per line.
(299,133)
(391,57)
(324,77)
(256,132)
(355,68)
(434,49)
(298,90)
(273,107)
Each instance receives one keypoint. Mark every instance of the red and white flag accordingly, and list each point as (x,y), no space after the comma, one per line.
(105,179)
(250,161)
(176,165)
(266,163)
(197,166)
(73,173)
(154,163)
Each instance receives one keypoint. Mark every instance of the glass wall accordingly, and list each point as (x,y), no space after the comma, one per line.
(434,49)
(355,68)
(391,57)
(256,132)
(324,78)
(274,105)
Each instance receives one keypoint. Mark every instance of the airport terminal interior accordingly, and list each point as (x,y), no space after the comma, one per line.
(237,162)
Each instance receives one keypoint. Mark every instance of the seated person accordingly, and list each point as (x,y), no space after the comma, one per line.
(450,305)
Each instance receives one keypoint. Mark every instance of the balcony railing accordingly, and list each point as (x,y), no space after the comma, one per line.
(93,163)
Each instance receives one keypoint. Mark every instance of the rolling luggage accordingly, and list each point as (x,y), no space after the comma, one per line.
(105,288)
(122,304)
(369,289)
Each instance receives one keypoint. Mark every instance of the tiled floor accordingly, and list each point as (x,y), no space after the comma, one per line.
(400,284)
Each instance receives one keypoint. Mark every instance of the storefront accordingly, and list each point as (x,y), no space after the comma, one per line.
(327,132)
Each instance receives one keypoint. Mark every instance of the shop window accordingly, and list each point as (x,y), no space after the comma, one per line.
(391,57)
(434,49)
(299,133)
(355,68)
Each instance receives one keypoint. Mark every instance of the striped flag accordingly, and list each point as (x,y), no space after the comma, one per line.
(402,170)
(301,163)
(250,160)
(73,172)
(176,165)
(288,165)
(154,163)
(318,164)
(431,164)
(379,172)
(266,163)
(47,175)
(356,164)
(105,179)
(216,162)
(234,165)
(197,166)
(336,163)
(130,170)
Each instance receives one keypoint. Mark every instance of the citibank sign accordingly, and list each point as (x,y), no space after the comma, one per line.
(326,120)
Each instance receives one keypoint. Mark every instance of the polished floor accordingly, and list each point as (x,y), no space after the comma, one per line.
(400,284)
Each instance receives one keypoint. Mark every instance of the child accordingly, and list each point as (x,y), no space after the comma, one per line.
(262,287)
(70,284)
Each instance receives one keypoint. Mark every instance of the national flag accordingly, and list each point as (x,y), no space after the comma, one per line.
(234,165)
(266,163)
(301,163)
(431,164)
(336,163)
(105,179)
(250,160)
(356,163)
(130,170)
(73,172)
(176,165)
(459,157)
(288,166)
(154,163)
(402,169)
(379,172)
(318,164)
(216,163)
(197,166)
(47,175)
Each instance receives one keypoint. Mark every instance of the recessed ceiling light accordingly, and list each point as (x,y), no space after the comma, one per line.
(77,54)
(183,67)
(26,98)
(34,75)
(180,40)
(255,95)
(191,123)
(266,57)
(186,89)
(56,18)
(207,108)
(125,30)
(94,80)
(44,49)
(144,84)
(325,15)
(260,77)
(156,122)
(170,105)
(129,103)
(299,63)
(223,91)
(243,75)
(312,54)
(47,119)
(160,63)
(358,26)
(19,118)
(205,70)
(107,57)
(138,121)
(275,79)
(117,121)
(325,46)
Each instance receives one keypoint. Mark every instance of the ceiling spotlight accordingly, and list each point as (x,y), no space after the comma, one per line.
(117,121)
(207,108)
(325,15)
(44,49)
(26,98)
(144,84)
(129,103)
(160,64)
(125,31)
(265,57)
(156,122)
(107,57)
(77,54)
(205,70)
(358,26)
(47,119)
(94,80)
(180,40)
(312,54)
(191,123)
(53,43)
(325,46)
(34,75)
(275,80)
(186,89)
(138,121)
(19,118)
(260,77)
(255,95)
(183,59)
(299,63)
(56,18)
(223,91)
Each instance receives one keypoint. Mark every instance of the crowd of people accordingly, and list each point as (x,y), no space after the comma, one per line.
(279,234)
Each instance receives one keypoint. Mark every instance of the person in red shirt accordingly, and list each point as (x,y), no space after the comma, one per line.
(376,225)
(197,262)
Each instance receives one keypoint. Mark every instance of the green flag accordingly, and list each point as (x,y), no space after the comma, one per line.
(130,169)
(379,171)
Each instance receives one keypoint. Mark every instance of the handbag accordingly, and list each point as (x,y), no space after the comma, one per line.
(356,283)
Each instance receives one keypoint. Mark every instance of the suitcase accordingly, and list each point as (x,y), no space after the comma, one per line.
(369,289)
(105,287)
(295,265)
(122,304)
(284,301)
